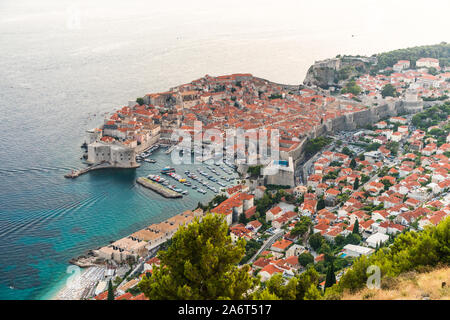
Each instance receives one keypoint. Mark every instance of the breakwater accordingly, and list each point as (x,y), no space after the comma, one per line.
(76,173)
(165,192)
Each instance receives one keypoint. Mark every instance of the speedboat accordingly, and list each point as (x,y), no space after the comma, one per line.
(167,170)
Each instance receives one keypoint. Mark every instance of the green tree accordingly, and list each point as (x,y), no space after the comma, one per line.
(339,240)
(312,293)
(243,219)
(333,293)
(265,295)
(353,238)
(409,251)
(110,291)
(347,151)
(356,227)
(331,277)
(217,200)
(353,164)
(305,280)
(316,240)
(276,285)
(356,184)
(439,51)
(320,204)
(432,71)
(314,145)
(200,263)
(373,146)
(254,171)
(352,87)
(327,251)
(389,90)
(140,101)
(302,226)
(305,258)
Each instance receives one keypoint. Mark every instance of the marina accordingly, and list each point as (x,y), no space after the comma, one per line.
(144,156)
(214,180)
(170,149)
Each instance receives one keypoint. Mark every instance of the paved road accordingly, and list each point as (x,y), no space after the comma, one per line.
(267,245)
(140,265)
(306,167)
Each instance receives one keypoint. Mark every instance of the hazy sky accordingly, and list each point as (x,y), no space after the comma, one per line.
(260,36)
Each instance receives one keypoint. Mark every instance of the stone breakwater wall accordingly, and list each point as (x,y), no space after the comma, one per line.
(165,192)
(104,165)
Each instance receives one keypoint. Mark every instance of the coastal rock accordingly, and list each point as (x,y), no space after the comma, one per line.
(332,72)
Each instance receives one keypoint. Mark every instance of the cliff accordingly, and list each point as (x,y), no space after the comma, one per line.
(335,71)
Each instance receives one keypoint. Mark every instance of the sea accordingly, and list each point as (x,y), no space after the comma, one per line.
(66,64)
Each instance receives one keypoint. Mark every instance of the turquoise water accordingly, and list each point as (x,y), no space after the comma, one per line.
(54,77)
(52,219)
(51,222)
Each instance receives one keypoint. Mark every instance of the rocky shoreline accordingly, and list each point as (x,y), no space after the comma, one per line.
(87,260)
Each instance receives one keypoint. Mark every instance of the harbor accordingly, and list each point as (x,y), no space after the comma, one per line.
(158,188)
(207,179)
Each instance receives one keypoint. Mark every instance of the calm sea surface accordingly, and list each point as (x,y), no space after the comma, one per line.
(61,62)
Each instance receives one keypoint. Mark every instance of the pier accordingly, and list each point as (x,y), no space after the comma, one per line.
(171,148)
(105,165)
(165,192)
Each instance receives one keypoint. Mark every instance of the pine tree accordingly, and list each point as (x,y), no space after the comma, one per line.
(331,278)
(200,263)
(110,291)
(356,184)
(356,227)
(313,293)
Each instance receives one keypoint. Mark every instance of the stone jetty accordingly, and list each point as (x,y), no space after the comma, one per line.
(105,165)
(165,192)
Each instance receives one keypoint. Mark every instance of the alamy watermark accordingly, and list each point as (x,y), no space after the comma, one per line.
(73,281)
(374,279)
(251,147)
